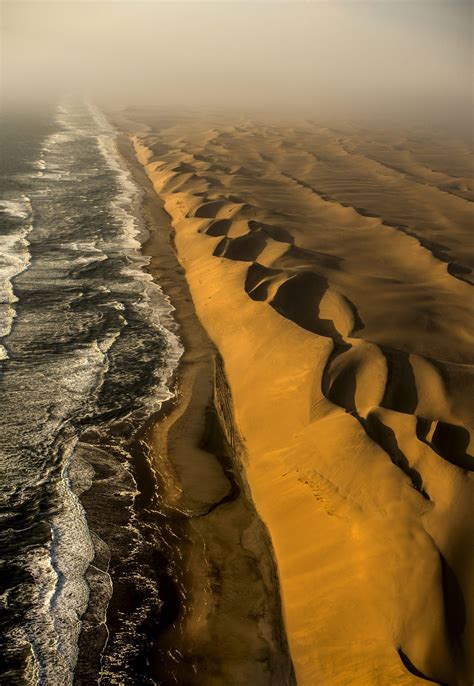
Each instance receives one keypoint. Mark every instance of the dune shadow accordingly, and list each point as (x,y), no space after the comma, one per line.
(385,437)
(408,664)
(454,604)
(184,168)
(298,299)
(449,441)
(276,232)
(243,248)
(219,227)
(257,281)
(342,389)
(221,247)
(458,270)
(208,210)
(401,394)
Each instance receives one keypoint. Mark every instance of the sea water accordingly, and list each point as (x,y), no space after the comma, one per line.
(87,348)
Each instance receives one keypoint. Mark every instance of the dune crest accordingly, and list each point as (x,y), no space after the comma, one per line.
(334,276)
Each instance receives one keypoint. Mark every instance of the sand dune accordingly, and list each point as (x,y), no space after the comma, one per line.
(332,269)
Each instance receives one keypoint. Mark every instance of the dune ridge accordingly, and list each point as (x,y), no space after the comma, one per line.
(344,319)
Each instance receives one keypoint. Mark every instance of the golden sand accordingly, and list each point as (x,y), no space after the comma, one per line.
(331,269)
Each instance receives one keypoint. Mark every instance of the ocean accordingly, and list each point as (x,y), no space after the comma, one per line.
(88,346)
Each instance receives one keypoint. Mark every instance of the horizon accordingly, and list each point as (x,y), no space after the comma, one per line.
(380,61)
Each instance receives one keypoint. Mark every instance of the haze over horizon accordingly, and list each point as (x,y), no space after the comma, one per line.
(386,61)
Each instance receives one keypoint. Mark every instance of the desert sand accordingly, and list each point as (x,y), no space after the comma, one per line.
(331,268)
(221,619)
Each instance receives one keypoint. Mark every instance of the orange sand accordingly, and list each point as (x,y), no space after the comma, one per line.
(331,268)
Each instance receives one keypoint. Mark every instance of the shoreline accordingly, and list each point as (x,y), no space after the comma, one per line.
(205,497)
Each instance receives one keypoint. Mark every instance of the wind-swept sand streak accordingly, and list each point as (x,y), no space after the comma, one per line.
(347,345)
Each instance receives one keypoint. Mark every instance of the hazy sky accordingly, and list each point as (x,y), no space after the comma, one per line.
(352,58)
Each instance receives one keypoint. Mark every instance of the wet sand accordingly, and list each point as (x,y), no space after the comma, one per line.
(222,622)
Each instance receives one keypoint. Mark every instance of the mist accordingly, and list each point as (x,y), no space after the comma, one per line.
(385,60)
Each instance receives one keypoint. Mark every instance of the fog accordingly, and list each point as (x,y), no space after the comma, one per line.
(383,59)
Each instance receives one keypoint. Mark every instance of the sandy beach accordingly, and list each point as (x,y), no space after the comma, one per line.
(332,273)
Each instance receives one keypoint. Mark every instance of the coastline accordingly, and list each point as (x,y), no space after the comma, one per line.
(236,343)
(225,623)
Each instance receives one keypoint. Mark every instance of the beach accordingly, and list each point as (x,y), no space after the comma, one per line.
(330,271)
